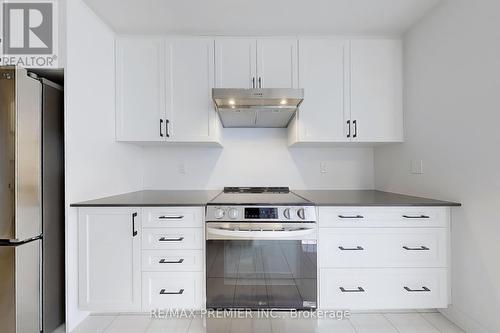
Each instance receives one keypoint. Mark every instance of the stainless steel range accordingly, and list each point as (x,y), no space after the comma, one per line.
(261,250)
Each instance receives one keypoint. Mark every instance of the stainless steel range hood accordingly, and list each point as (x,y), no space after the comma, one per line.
(257,107)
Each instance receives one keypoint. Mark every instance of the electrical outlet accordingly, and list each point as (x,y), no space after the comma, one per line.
(417,167)
(323,167)
(182,168)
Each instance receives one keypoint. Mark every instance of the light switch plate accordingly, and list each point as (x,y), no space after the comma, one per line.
(323,168)
(417,167)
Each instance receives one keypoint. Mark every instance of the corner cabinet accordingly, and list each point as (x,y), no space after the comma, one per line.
(352,92)
(163,90)
(109,259)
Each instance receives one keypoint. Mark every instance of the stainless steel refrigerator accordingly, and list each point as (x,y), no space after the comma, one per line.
(31,203)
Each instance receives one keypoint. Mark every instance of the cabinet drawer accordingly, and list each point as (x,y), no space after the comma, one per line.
(399,217)
(172,239)
(180,290)
(172,260)
(384,247)
(175,217)
(378,289)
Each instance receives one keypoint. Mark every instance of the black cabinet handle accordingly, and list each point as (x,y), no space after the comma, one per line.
(165,261)
(166,239)
(161,128)
(351,216)
(348,128)
(422,248)
(424,289)
(167,128)
(260,82)
(358,290)
(171,217)
(134,232)
(416,217)
(355,123)
(165,292)
(357,248)
(253,82)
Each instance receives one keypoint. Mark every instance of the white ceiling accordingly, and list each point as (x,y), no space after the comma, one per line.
(260,17)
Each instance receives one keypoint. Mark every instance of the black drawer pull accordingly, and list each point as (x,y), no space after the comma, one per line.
(171,217)
(416,217)
(164,292)
(351,216)
(165,261)
(134,232)
(166,239)
(421,248)
(358,290)
(424,289)
(357,248)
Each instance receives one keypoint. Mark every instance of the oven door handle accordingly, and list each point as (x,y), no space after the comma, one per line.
(259,234)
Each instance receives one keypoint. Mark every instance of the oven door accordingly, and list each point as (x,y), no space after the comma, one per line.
(261,265)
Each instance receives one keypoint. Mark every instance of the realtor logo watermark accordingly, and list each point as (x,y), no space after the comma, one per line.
(29,33)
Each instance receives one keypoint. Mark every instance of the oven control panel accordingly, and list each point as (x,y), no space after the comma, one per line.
(261,213)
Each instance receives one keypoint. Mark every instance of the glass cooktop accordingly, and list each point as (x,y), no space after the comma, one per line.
(258,196)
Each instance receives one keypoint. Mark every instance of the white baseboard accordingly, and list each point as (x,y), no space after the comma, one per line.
(464,321)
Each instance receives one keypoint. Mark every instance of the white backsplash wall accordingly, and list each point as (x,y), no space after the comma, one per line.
(257,157)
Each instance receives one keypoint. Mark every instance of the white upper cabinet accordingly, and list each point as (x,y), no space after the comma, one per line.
(277,63)
(352,92)
(256,63)
(140,78)
(376,90)
(190,114)
(164,90)
(324,112)
(235,62)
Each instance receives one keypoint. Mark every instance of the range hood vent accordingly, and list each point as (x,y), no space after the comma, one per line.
(257,107)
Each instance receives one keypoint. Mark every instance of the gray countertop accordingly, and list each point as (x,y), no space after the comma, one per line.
(157,198)
(367,198)
(153,198)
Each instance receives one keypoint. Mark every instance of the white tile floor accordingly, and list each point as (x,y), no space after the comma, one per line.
(431,322)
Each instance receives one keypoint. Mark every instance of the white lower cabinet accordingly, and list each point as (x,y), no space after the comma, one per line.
(126,265)
(172,290)
(379,289)
(383,258)
(109,257)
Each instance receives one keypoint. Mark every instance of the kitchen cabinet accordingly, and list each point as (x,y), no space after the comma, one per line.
(256,63)
(376,90)
(190,114)
(236,62)
(164,90)
(173,258)
(353,92)
(140,89)
(119,273)
(382,258)
(323,76)
(109,257)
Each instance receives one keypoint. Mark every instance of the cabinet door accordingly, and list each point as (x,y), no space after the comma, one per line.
(376,90)
(323,115)
(235,63)
(277,63)
(140,93)
(190,78)
(109,244)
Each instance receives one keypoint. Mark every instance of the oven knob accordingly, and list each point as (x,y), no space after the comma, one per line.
(301,213)
(233,213)
(219,213)
(286,213)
